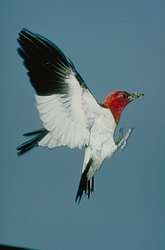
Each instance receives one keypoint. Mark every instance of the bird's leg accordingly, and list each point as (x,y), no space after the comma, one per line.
(120,136)
(122,142)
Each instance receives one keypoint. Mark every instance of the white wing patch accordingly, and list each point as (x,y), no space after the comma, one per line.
(66,116)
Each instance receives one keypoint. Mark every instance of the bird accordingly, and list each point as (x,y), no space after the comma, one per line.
(70,114)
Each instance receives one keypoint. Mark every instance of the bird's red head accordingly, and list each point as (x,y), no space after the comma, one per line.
(117,101)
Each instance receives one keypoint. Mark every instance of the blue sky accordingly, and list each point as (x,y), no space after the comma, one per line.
(113,45)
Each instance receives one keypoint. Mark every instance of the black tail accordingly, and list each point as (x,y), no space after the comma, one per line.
(24,147)
(85,185)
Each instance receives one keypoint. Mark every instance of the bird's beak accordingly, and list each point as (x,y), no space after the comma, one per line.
(134,96)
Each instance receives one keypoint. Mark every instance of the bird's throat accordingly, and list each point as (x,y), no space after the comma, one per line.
(115,108)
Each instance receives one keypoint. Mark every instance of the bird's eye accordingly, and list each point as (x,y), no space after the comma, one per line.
(124,95)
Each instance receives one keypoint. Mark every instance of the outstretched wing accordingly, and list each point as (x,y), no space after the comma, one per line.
(66,106)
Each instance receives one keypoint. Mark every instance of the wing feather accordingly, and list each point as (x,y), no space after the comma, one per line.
(65,104)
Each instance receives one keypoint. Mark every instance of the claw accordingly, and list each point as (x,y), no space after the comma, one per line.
(120,136)
(123,142)
(121,133)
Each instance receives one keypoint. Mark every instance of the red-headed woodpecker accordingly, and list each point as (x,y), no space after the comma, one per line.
(70,114)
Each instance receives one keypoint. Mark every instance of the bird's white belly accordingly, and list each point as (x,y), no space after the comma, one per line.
(101,145)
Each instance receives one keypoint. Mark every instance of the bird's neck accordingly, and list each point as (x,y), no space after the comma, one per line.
(115,108)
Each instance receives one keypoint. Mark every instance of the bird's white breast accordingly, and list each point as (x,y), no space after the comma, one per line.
(101,142)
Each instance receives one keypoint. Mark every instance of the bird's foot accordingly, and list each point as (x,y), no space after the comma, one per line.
(122,142)
(120,136)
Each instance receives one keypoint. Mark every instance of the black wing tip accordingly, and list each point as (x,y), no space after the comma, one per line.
(23,148)
(26,146)
(25,31)
(35,132)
